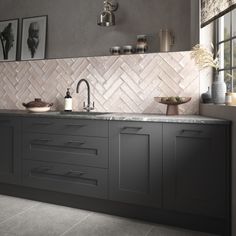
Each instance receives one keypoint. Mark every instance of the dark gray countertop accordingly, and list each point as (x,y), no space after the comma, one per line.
(192,119)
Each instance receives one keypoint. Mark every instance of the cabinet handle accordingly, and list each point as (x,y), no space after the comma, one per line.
(42,123)
(191,131)
(42,169)
(75,125)
(4,121)
(133,129)
(48,170)
(75,172)
(78,143)
(41,141)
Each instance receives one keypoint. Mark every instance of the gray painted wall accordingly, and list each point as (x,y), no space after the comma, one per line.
(73,30)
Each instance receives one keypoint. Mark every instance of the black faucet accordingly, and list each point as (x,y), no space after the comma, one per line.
(87,107)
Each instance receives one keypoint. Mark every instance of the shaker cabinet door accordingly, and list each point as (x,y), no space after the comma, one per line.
(9,150)
(135,163)
(195,169)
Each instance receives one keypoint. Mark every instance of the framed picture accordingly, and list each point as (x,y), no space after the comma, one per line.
(33,43)
(8,39)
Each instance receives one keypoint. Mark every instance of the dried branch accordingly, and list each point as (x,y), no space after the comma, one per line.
(205,58)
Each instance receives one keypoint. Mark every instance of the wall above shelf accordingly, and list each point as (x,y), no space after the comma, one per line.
(73,32)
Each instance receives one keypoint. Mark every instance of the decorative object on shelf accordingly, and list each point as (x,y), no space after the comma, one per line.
(142,45)
(68,101)
(172,103)
(233,96)
(128,49)
(33,44)
(8,38)
(218,89)
(37,105)
(107,17)
(116,50)
(205,58)
(166,40)
(228,99)
(206,97)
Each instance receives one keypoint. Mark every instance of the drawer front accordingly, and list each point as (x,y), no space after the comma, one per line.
(78,150)
(84,181)
(94,128)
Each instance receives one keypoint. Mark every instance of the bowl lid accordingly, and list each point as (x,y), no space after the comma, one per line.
(37,103)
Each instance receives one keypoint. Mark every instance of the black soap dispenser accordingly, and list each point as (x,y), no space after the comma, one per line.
(68,101)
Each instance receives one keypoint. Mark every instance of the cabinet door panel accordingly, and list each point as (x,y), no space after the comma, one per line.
(194,162)
(9,149)
(136,163)
(93,128)
(79,150)
(85,181)
(134,179)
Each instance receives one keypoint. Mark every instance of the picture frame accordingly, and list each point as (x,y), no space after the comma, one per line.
(33,38)
(8,39)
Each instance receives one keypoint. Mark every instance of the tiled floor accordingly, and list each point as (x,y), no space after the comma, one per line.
(21,217)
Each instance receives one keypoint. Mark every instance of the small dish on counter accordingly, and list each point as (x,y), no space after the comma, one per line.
(38,106)
(172,103)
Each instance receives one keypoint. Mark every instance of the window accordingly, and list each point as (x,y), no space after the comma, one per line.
(226,44)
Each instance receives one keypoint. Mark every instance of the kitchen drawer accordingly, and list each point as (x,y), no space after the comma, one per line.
(78,150)
(94,128)
(84,181)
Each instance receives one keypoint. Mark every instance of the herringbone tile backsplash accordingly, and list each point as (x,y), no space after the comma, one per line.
(118,84)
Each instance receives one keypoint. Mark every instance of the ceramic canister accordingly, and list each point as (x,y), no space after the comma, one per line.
(166,40)
(218,89)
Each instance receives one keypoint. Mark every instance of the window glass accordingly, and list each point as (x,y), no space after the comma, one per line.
(224,55)
(234,80)
(228,79)
(224,31)
(234,23)
(227,26)
(234,53)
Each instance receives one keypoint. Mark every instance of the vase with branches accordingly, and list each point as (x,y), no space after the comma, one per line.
(206,58)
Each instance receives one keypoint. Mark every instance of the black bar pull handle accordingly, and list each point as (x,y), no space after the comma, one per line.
(42,123)
(75,172)
(41,141)
(41,169)
(77,143)
(131,129)
(75,125)
(4,121)
(191,131)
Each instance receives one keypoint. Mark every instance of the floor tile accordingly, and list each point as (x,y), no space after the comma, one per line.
(160,230)
(7,234)
(43,220)
(106,225)
(10,206)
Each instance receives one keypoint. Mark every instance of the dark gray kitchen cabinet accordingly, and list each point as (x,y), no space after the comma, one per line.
(135,163)
(195,175)
(9,150)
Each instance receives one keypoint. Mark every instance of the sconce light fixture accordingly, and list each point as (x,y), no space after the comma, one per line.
(107,17)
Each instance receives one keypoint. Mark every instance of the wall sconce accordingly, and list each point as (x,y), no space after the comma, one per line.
(107,17)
